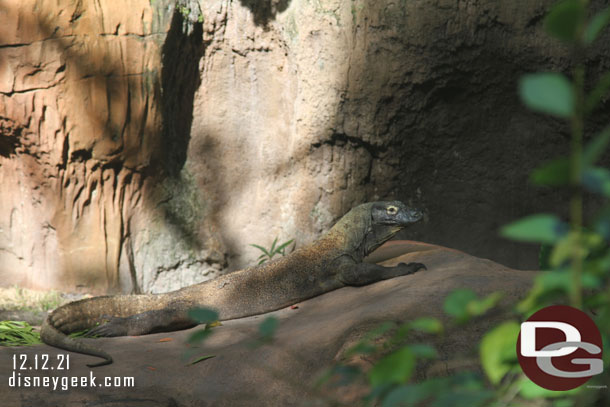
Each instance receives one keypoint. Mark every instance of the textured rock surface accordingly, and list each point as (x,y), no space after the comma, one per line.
(143,152)
(87,200)
(308,340)
(307,108)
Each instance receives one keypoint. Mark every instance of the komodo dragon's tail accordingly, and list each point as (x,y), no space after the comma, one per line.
(86,314)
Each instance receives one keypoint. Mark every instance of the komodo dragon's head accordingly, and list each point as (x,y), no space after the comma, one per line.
(369,225)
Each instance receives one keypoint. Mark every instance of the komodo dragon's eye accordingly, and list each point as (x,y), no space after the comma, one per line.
(391,210)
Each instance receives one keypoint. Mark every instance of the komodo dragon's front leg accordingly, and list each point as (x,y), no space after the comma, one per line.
(359,274)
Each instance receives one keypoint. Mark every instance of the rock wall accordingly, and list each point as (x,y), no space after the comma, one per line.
(84,149)
(307,108)
(142,148)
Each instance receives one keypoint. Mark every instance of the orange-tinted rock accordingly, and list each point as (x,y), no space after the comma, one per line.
(81,125)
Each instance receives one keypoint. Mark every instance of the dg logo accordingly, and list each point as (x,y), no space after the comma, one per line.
(560,348)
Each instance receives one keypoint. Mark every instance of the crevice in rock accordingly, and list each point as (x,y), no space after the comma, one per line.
(340,140)
(179,81)
(264,11)
(10,135)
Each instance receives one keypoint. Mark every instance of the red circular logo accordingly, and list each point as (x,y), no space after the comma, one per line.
(560,348)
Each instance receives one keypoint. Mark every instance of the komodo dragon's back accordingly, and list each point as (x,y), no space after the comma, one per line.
(331,262)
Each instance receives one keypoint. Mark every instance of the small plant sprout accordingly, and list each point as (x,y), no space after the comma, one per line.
(274,250)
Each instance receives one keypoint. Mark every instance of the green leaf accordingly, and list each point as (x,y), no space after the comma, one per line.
(547,93)
(18,333)
(199,336)
(602,223)
(202,358)
(427,324)
(544,256)
(360,348)
(531,390)
(597,24)
(346,374)
(281,247)
(338,375)
(540,228)
(479,307)
(574,244)
(550,283)
(498,352)
(408,395)
(553,173)
(396,368)
(563,403)
(598,92)
(463,398)
(399,397)
(268,327)
(595,148)
(203,315)
(564,19)
(597,180)
(272,251)
(423,351)
(261,248)
(457,302)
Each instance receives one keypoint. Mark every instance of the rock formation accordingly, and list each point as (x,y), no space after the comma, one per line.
(143,147)
(309,339)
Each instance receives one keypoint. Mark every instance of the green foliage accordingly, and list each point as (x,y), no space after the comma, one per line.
(541,228)
(530,390)
(557,172)
(18,333)
(427,325)
(396,368)
(82,334)
(498,350)
(596,148)
(274,250)
(565,19)
(576,256)
(573,256)
(548,93)
(23,299)
(554,173)
(267,328)
(462,389)
(201,359)
(202,316)
(597,24)
(464,304)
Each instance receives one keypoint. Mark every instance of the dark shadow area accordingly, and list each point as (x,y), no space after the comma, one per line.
(181,53)
(10,135)
(459,143)
(265,11)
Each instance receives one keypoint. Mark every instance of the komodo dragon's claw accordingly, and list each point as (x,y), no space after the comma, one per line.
(414,267)
(114,327)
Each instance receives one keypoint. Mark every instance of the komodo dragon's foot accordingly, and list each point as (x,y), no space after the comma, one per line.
(412,267)
(115,326)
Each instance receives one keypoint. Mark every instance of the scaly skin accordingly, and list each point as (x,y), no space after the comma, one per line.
(331,262)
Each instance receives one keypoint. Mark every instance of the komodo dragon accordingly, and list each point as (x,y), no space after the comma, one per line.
(331,262)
